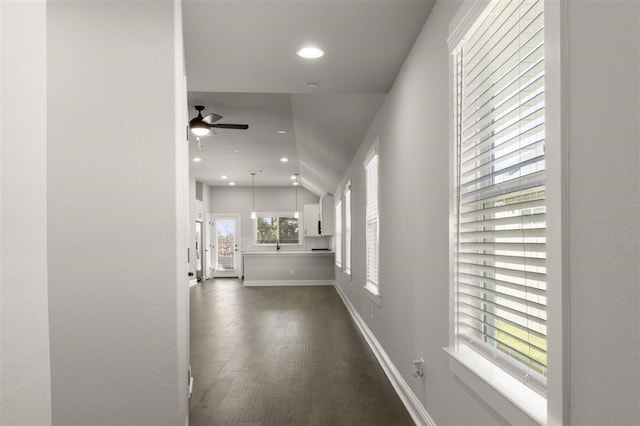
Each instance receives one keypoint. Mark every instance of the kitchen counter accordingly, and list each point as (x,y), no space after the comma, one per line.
(288,268)
(306,252)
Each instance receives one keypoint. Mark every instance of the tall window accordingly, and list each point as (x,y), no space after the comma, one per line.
(372,241)
(500,258)
(338,236)
(347,229)
(274,229)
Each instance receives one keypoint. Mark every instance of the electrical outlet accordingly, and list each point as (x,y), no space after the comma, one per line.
(418,367)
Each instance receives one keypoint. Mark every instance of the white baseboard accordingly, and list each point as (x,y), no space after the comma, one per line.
(285,283)
(409,399)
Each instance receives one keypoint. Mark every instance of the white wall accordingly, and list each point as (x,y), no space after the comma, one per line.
(118,313)
(25,381)
(413,136)
(206,198)
(603,203)
(180,175)
(603,109)
(196,214)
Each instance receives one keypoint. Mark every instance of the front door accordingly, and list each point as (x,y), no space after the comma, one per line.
(226,243)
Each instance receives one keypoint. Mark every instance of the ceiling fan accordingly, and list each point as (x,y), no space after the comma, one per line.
(200,125)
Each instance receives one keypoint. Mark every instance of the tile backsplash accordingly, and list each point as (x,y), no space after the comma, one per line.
(318,242)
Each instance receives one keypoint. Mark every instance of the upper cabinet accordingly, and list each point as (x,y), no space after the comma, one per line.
(311,218)
(319,218)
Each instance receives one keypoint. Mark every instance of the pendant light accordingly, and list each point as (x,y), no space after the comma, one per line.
(253,196)
(296,213)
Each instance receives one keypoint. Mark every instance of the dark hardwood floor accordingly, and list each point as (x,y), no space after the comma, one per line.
(283,356)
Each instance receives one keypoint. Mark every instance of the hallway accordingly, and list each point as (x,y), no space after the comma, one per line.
(283,356)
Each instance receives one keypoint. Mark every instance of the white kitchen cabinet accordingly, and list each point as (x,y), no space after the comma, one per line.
(319,218)
(311,218)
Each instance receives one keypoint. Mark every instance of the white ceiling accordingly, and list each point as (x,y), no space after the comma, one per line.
(241,63)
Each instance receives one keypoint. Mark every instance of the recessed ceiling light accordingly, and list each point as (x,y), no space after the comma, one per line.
(310,52)
(293,177)
(236,150)
(296,183)
(197,159)
(282,132)
(312,85)
(223,177)
(284,159)
(232,183)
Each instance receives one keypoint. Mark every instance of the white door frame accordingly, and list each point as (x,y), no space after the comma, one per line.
(237,271)
(200,264)
(208,246)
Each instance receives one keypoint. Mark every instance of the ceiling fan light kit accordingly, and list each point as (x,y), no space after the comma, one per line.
(197,125)
(199,130)
(200,126)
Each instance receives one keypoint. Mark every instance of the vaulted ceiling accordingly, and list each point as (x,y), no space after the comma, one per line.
(241,63)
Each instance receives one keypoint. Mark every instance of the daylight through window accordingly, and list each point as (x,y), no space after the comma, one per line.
(500,281)
(273,229)
(371,168)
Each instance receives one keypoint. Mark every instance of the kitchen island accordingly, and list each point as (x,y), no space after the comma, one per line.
(288,268)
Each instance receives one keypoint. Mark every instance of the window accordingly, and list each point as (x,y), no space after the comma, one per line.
(372,242)
(499,259)
(338,236)
(347,229)
(275,229)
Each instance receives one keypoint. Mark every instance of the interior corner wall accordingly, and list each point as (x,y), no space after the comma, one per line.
(118,352)
(412,132)
(206,198)
(25,381)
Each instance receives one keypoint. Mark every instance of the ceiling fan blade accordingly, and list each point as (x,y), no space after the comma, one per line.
(211,118)
(231,126)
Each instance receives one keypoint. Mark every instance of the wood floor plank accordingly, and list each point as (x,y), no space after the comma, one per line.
(275,356)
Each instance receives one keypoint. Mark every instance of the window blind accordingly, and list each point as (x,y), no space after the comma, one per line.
(500,171)
(372,222)
(338,236)
(347,228)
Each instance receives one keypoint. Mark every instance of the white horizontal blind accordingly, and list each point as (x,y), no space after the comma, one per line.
(338,236)
(347,229)
(500,132)
(372,222)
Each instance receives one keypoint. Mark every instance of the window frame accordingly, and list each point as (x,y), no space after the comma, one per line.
(347,229)
(277,216)
(338,234)
(372,223)
(512,399)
